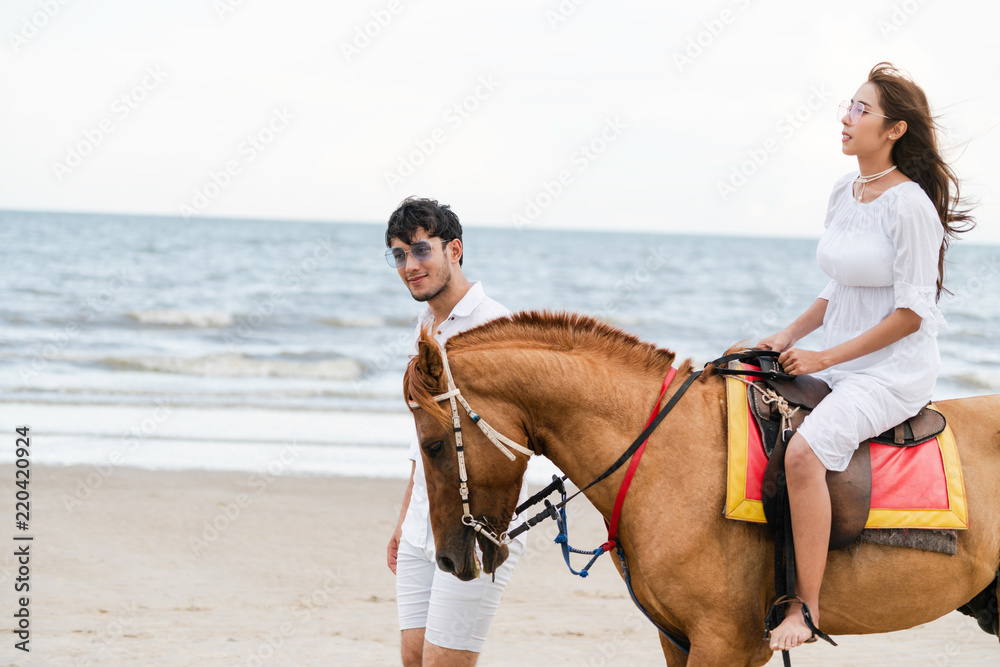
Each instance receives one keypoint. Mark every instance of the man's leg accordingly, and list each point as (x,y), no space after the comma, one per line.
(461,612)
(414,577)
(435,656)
(412,647)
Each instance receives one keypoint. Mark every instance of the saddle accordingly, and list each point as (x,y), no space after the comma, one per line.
(779,403)
(850,490)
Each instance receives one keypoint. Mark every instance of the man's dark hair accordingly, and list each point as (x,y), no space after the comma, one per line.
(435,219)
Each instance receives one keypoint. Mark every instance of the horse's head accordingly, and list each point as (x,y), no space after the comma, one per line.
(494,481)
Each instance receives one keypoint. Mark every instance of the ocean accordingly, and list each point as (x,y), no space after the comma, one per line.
(279,347)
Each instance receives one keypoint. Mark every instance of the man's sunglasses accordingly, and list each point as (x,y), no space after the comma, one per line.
(421,251)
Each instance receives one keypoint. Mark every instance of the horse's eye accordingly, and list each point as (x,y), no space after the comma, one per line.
(434,448)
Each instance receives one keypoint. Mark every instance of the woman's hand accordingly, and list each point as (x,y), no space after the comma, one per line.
(802,362)
(779,342)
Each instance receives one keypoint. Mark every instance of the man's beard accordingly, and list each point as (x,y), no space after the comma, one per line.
(431,295)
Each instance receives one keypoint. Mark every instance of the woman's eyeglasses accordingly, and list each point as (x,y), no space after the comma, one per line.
(855,111)
(421,251)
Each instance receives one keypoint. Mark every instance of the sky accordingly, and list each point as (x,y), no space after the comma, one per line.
(716,117)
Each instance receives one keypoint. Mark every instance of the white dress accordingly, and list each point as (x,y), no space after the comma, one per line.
(880,256)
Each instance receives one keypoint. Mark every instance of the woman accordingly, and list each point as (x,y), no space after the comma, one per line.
(887,229)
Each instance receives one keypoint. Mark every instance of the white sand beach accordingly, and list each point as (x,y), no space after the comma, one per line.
(222,568)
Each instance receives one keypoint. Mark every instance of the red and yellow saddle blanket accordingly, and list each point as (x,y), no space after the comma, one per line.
(912,487)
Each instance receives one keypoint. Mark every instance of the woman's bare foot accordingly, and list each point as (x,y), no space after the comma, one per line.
(792,631)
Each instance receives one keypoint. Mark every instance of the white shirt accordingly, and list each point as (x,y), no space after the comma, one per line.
(474,309)
(881,256)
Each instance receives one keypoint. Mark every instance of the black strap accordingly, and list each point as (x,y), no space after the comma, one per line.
(767,375)
(750,355)
(745,355)
(555,485)
(626,455)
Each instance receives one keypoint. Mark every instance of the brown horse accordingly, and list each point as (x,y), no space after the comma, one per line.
(578,392)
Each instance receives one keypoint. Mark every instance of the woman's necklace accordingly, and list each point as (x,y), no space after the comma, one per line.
(868,179)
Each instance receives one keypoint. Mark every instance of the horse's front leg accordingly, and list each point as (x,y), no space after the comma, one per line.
(723,647)
(675,657)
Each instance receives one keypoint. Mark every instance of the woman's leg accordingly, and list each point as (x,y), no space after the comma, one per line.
(809,498)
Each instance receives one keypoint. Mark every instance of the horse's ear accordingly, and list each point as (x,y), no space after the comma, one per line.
(428,360)
(425,378)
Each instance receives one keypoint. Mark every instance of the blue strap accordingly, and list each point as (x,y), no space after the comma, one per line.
(628,584)
(562,539)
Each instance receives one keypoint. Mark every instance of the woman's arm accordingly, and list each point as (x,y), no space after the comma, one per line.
(898,325)
(803,325)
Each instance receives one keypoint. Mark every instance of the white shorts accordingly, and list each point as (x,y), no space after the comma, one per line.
(456,614)
(857,408)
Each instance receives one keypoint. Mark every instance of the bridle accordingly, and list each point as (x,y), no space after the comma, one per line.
(502,442)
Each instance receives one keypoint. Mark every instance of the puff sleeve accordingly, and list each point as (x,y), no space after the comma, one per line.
(828,290)
(917,235)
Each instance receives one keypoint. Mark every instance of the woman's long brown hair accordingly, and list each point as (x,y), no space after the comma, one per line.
(916,153)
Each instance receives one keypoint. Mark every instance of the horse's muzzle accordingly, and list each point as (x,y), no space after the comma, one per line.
(493,556)
(461,560)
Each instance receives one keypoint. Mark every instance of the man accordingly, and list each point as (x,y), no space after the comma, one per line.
(443,621)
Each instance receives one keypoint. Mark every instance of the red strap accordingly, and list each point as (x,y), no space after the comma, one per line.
(633,464)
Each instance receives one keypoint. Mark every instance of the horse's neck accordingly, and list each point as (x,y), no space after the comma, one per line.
(583,420)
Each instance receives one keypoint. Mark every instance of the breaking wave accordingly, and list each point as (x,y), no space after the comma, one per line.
(201,319)
(240,365)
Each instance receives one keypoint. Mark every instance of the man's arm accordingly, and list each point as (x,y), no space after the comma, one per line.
(393,549)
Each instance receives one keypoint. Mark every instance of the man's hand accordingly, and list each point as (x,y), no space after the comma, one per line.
(393,549)
(802,362)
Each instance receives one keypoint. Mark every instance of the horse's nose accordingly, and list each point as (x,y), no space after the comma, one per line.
(446,564)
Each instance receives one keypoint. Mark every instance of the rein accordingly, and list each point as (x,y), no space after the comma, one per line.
(640,442)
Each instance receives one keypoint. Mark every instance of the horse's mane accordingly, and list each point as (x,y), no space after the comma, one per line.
(540,330)
(561,331)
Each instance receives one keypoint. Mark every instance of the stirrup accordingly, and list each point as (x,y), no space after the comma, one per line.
(806,615)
